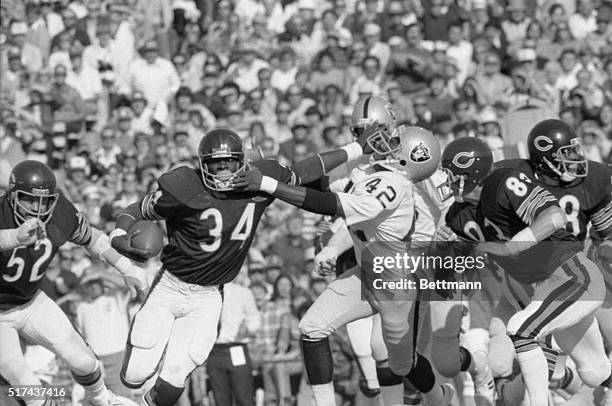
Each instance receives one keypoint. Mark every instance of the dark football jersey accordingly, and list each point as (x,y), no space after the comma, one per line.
(509,202)
(209,233)
(584,200)
(22,269)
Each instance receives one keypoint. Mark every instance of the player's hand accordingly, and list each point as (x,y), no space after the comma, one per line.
(325,261)
(445,233)
(368,131)
(494,248)
(249,180)
(123,244)
(136,281)
(30,231)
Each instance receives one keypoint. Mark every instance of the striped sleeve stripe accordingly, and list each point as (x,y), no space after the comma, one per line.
(82,234)
(536,193)
(534,209)
(603,218)
(147,208)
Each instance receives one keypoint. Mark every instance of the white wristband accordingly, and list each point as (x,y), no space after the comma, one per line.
(353,151)
(268,185)
(9,239)
(522,240)
(117,232)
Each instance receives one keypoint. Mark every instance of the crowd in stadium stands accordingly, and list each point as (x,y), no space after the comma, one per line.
(113,93)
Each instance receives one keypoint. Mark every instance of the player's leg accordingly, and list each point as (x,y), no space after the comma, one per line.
(149,332)
(573,292)
(359,333)
(193,336)
(47,325)
(339,304)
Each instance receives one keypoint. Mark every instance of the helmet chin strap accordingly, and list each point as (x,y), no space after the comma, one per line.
(564,176)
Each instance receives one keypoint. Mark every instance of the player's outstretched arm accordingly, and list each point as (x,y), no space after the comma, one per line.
(314,167)
(100,246)
(27,233)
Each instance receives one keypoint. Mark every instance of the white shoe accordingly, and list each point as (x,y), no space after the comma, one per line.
(449,393)
(484,386)
(116,400)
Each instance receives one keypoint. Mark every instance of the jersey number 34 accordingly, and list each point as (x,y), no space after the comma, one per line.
(241,231)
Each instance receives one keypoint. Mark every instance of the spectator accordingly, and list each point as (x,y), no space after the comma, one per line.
(491,81)
(370,84)
(69,109)
(584,21)
(299,144)
(87,82)
(30,55)
(515,28)
(375,47)
(283,77)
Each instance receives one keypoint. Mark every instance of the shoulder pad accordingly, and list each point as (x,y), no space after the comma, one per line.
(520,164)
(185,186)
(599,172)
(64,216)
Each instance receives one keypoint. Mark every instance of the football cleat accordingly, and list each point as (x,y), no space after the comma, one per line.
(484,387)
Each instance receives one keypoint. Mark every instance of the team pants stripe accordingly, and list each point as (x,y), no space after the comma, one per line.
(559,300)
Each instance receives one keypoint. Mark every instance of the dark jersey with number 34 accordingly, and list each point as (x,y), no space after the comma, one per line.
(509,202)
(22,268)
(209,233)
(584,200)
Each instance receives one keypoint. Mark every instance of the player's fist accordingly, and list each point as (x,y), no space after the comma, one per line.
(30,231)
(136,281)
(325,261)
(124,245)
(445,233)
(368,131)
(249,180)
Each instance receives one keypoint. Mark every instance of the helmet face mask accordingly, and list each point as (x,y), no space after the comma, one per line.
(457,186)
(384,143)
(571,161)
(222,158)
(33,205)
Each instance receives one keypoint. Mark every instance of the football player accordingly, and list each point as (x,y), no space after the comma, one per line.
(35,220)
(210,229)
(379,212)
(531,244)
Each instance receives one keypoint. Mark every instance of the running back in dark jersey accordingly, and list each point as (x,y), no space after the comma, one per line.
(509,202)
(22,269)
(584,200)
(209,233)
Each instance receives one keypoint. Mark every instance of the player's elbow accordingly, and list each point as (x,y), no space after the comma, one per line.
(555,217)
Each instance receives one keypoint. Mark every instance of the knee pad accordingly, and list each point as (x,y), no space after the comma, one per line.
(312,328)
(501,351)
(476,340)
(596,375)
(318,360)
(445,356)
(147,329)
(386,377)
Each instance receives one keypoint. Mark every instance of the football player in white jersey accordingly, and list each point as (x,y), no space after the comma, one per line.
(379,211)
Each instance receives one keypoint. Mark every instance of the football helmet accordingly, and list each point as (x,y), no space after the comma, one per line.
(415,154)
(556,150)
(31,191)
(374,110)
(216,144)
(467,161)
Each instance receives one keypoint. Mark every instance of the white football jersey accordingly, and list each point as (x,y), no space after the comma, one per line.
(430,209)
(378,208)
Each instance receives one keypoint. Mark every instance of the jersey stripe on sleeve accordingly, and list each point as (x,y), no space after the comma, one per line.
(82,233)
(147,207)
(532,203)
(602,219)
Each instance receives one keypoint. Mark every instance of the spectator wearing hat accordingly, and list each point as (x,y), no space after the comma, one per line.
(77,171)
(370,83)
(491,81)
(73,28)
(87,82)
(30,55)
(490,131)
(156,77)
(143,114)
(374,46)
(515,27)
(584,21)
(125,41)
(300,143)
(102,55)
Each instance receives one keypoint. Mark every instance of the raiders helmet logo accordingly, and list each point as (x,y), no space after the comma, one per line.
(391,112)
(542,143)
(420,153)
(464,159)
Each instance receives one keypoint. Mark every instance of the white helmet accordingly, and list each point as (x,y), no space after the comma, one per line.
(414,152)
(369,110)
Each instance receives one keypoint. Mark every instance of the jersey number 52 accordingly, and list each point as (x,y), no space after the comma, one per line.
(18,263)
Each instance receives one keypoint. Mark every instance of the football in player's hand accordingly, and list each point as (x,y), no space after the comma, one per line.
(148,236)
